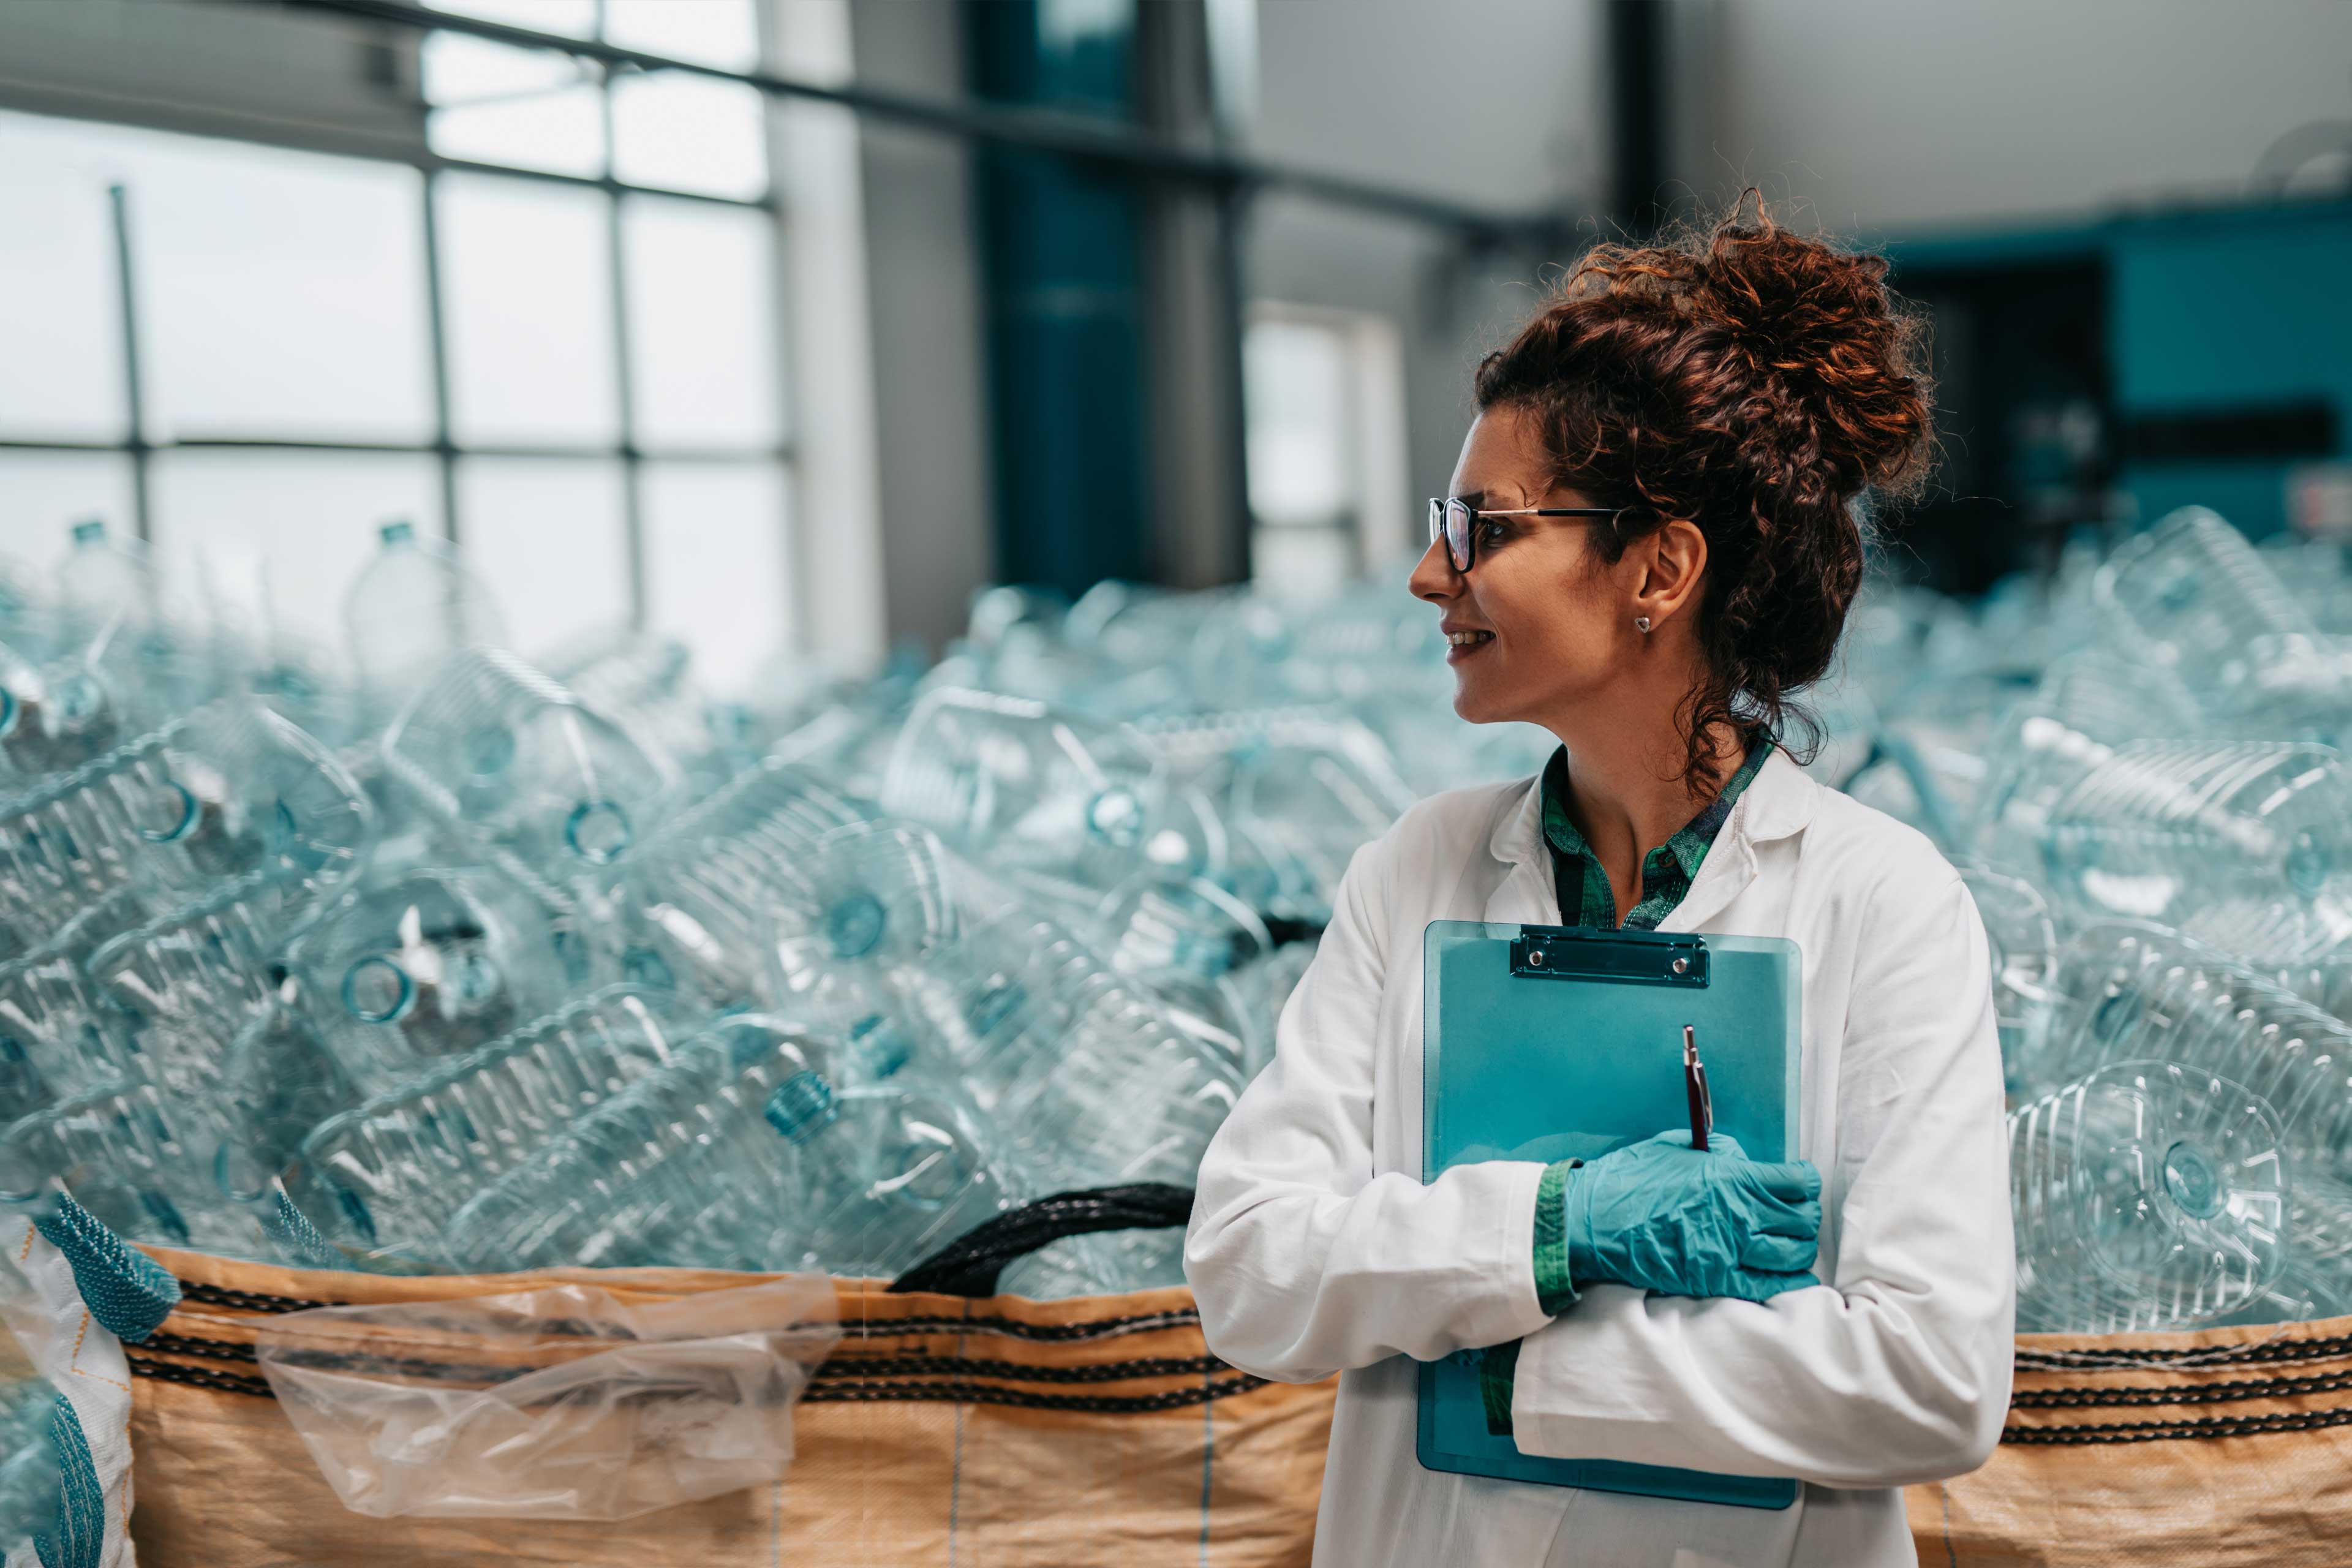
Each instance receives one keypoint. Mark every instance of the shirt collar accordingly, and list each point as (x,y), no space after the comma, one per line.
(1688,844)
(1779,800)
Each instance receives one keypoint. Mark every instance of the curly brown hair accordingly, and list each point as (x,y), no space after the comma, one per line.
(1756,381)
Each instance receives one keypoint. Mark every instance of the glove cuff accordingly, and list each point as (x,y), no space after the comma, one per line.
(1563,1206)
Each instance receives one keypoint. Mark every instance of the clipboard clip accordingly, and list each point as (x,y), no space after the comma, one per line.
(1644,958)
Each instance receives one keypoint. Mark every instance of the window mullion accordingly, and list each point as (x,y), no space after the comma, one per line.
(437,331)
(633,489)
(126,297)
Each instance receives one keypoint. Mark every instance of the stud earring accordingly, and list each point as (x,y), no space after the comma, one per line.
(1642,623)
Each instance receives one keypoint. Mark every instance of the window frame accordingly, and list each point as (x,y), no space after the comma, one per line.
(140,448)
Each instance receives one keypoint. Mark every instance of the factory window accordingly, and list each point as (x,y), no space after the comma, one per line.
(550,333)
(1324,394)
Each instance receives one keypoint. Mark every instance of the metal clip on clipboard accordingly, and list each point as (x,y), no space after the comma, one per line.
(1545,1042)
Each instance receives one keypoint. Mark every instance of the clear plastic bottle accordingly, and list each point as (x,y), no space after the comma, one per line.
(1088,1079)
(1312,806)
(2023,943)
(645,683)
(2192,597)
(425,967)
(997,610)
(385,1178)
(51,1020)
(136,1158)
(2246,845)
(1204,1009)
(2147,1196)
(1153,922)
(513,762)
(229,791)
(2133,990)
(744,1154)
(183,985)
(115,614)
(868,900)
(1037,790)
(906,1167)
(278,1083)
(53,717)
(409,609)
(698,899)
(695,1165)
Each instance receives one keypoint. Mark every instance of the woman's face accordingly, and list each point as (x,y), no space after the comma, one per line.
(1544,601)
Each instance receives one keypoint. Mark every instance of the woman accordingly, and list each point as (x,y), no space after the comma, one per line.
(1651,544)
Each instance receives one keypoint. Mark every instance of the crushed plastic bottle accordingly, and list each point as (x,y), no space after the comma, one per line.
(743,1151)
(698,902)
(513,764)
(2148,1195)
(425,967)
(384,1179)
(409,609)
(1052,793)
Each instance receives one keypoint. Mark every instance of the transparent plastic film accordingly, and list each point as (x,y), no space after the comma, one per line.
(569,1402)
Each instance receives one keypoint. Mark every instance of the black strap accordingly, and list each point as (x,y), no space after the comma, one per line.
(969,1265)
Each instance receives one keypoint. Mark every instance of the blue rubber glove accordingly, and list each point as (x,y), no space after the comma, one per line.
(1664,1217)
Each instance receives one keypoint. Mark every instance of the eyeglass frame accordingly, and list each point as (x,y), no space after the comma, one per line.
(1443,508)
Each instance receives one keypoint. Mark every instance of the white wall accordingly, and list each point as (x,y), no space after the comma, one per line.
(1890,114)
(829,354)
(1496,103)
(1487,101)
(931,383)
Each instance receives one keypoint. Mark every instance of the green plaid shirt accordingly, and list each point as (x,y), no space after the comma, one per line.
(1586,899)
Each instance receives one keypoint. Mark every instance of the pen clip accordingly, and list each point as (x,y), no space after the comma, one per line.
(1694,1074)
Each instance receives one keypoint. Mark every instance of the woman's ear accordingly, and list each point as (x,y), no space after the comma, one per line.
(1673,560)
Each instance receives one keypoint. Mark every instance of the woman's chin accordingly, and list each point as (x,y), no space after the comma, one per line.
(1475,705)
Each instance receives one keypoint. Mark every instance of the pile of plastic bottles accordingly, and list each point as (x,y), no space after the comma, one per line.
(440,958)
(2138,766)
(447,960)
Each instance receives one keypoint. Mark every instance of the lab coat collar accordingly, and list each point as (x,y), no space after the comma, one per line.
(1780,801)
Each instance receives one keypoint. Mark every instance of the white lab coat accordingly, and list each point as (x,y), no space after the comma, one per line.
(1314,1247)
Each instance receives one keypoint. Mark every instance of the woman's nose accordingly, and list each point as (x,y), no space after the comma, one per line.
(1433,576)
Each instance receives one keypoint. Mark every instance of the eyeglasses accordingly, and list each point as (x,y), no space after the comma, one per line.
(1455,520)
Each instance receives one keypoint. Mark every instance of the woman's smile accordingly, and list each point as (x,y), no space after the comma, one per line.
(1463,641)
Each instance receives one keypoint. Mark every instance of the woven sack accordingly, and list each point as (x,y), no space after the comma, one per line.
(2224,1448)
(953,1425)
(944,1428)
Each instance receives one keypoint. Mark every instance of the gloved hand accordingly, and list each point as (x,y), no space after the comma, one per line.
(1667,1218)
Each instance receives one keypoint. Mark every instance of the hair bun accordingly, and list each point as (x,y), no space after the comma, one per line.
(1822,322)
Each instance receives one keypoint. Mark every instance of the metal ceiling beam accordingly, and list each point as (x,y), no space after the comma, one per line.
(1133,154)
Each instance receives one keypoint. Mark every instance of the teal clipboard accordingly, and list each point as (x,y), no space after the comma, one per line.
(1550,1042)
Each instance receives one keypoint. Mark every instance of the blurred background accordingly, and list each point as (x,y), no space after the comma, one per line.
(787,324)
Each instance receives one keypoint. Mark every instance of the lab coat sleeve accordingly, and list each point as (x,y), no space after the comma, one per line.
(1303,1261)
(1897,1370)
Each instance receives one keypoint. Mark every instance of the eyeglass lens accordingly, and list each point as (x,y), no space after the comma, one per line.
(1450,520)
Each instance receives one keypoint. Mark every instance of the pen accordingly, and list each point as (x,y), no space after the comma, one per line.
(1702,1107)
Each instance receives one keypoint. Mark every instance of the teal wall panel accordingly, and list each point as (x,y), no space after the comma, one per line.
(1062,269)
(2249,307)
(2215,312)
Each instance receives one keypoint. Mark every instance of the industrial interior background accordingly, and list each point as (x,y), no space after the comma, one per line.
(787,325)
(778,332)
